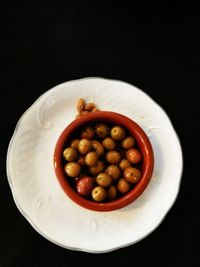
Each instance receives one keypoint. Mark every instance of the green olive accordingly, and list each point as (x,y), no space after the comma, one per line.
(114,172)
(91,158)
(70,154)
(72,169)
(102,130)
(81,160)
(134,155)
(84,146)
(118,133)
(88,133)
(96,169)
(74,143)
(99,193)
(128,142)
(124,163)
(104,179)
(97,146)
(112,192)
(123,186)
(113,157)
(132,175)
(109,143)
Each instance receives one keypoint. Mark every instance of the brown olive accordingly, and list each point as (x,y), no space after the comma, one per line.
(128,142)
(99,193)
(81,160)
(70,154)
(85,185)
(118,133)
(104,179)
(124,163)
(74,143)
(132,175)
(114,172)
(88,133)
(113,157)
(109,143)
(84,146)
(97,146)
(102,130)
(91,158)
(96,169)
(112,192)
(72,169)
(134,155)
(123,186)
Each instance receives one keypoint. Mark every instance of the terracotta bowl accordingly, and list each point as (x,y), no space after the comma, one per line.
(143,144)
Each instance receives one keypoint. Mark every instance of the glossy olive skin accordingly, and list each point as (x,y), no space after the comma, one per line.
(134,155)
(112,193)
(132,175)
(109,143)
(84,146)
(102,130)
(70,154)
(84,186)
(88,133)
(104,179)
(128,143)
(73,169)
(91,158)
(99,194)
(113,157)
(118,133)
(123,186)
(124,163)
(98,147)
(97,168)
(114,172)
(74,143)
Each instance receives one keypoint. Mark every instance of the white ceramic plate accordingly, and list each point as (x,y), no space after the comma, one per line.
(40,198)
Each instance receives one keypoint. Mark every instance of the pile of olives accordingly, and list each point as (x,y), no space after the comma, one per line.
(103,162)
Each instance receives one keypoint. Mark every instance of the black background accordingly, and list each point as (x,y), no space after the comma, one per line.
(153,46)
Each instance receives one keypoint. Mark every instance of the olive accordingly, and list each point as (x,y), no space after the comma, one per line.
(70,154)
(134,155)
(88,133)
(89,106)
(113,171)
(123,186)
(109,143)
(113,157)
(102,130)
(99,193)
(132,175)
(118,133)
(128,142)
(112,192)
(104,179)
(91,158)
(124,163)
(84,146)
(97,146)
(81,160)
(72,169)
(96,169)
(74,143)
(85,185)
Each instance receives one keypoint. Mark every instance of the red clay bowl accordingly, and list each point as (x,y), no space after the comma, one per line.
(143,144)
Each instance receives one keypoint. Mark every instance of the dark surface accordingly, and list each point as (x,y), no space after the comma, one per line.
(154,47)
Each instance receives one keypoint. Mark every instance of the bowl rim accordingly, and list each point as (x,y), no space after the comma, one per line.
(143,144)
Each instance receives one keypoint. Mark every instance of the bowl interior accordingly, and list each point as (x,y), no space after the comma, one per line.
(112,118)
